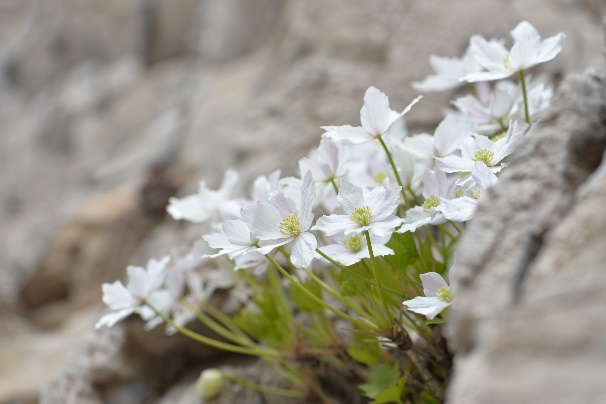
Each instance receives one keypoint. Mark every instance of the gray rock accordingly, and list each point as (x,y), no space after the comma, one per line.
(528,321)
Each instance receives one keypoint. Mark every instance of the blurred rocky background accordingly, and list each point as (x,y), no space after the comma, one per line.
(108,107)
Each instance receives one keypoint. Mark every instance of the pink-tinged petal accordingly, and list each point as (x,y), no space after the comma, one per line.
(266,222)
(334,224)
(427,306)
(432,281)
(303,250)
(350,135)
(458,210)
(116,296)
(282,203)
(111,319)
(350,196)
(455,164)
(382,202)
(435,183)
(308,198)
(490,55)
(375,114)
(483,176)
(449,134)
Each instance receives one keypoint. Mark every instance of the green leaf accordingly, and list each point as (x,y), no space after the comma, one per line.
(364,351)
(303,302)
(435,320)
(349,287)
(380,378)
(393,394)
(405,250)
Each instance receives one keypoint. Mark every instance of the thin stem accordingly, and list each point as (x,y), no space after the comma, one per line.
(344,268)
(264,389)
(311,295)
(261,352)
(219,328)
(225,320)
(472,89)
(455,227)
(523,84)
(502,125)
(375,271)
(334,185)
(395,170)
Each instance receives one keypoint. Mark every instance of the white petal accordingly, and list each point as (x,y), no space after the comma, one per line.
(385,227)
(449,134)
(458,210)
(308,198)
(111,319)
(375,114)
(455,164)
(116,296)
(427,306)
(350,196)
(382,202)
(340,254)
(334,224)
(350,135)
(415,218)
(524,31)
(266,222)
(188,208)
(432,281)
(303,250)
(282,203)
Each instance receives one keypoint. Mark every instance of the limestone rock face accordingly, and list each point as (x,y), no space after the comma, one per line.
(530,274)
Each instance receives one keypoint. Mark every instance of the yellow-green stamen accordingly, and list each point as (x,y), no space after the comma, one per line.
(353,243)
(477,194)
(485,156)
(380,177)
(361,216)
(445,294)
(291,225)
(431,202)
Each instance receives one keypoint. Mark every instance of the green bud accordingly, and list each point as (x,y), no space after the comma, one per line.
(210,383)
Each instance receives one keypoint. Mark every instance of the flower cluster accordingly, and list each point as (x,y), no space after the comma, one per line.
(373,211)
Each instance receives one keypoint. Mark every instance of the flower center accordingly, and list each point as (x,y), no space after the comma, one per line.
(380,177)
(506,63)
(361,216)
(291,225)
(445,294)
(485,156)
(353,243)
(477,194)
(430,202)
(498,136)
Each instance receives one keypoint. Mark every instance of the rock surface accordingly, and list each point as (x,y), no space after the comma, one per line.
(530,273)
(97,93)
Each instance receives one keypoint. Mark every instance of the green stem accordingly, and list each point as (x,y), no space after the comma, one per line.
(455,227)
(523,84)
(334,185)
(225,320)
(472,89)
(264,389)
(502,125)
(344,268)
(218,328)
(395,170)
(214,343)
(312,296)
(375,271)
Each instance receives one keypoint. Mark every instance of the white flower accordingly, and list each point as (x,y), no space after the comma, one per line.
(280,222)
(438,296)
(365,211)
(527,51)
(449,72)
(206,203)
(481,148)
(234,240)
(435,189)
(377,120)
(263,186)
(143,287)
(446,140)
(352,249)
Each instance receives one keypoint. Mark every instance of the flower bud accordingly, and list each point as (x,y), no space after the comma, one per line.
(210,383)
